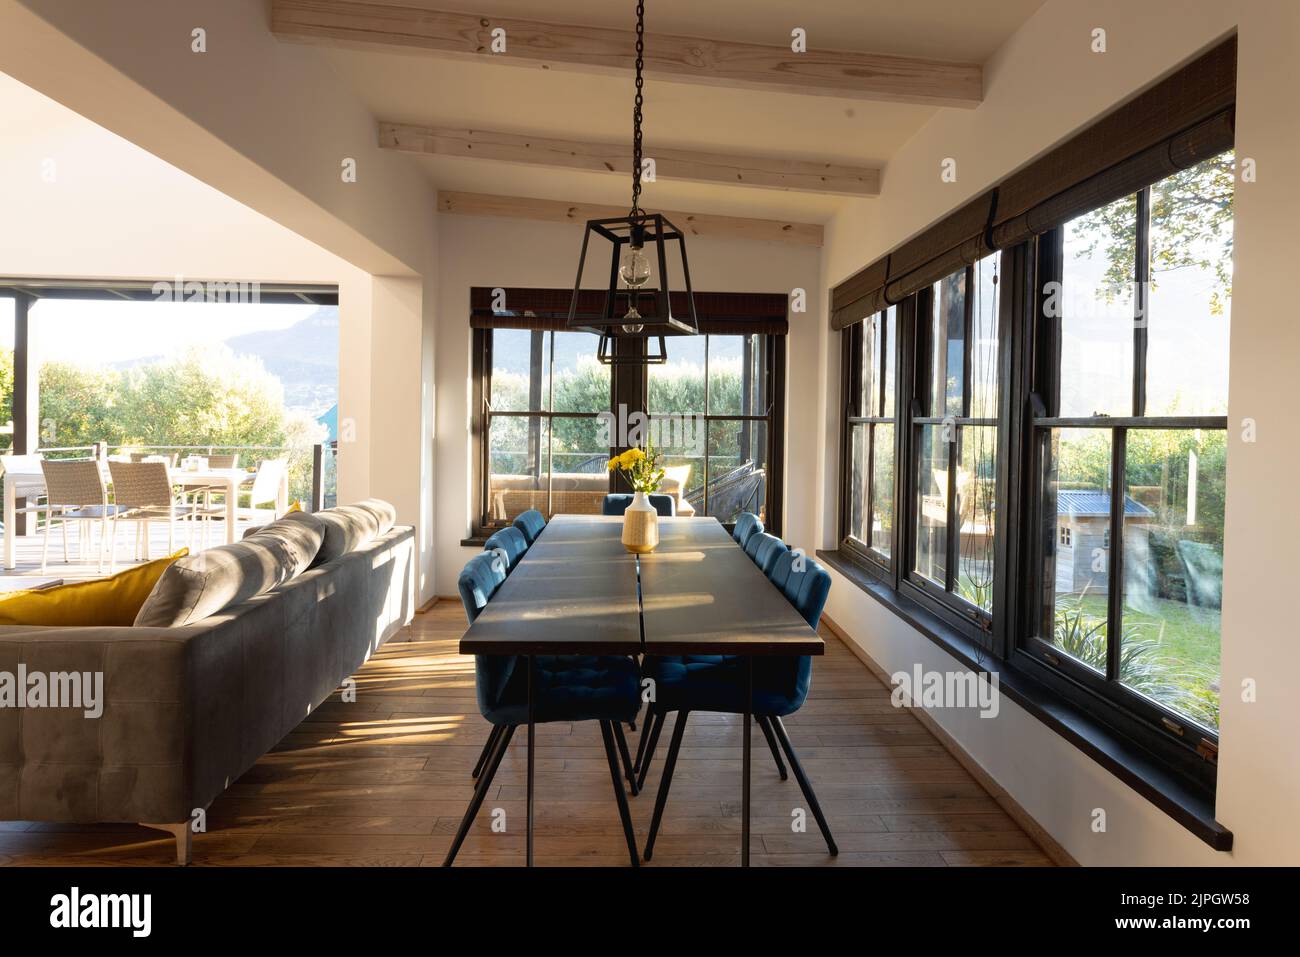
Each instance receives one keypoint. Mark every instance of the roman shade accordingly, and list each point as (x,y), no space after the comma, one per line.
(720,313)
(1181,121)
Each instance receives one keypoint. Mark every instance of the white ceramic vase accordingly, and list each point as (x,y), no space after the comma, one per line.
(640,525)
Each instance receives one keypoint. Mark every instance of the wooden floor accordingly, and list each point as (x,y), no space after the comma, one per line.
(385,780)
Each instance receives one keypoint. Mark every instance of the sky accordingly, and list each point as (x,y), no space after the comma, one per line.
(107,333)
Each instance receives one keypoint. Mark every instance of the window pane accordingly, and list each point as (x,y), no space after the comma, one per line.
(984,345)
(737,469)
(948,349)
(1173,569)
(1077,493)
(680,440)
(869,391)
(731,386)
(882,489)
(1096,310)
(518,468)
(1190,290)
(857,492)
(677,386)
(581,383)
(976,484)
(578,462)
(890,334)
(520,365)
(932,504)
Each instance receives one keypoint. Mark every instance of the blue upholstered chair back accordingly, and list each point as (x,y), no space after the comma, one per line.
(747,526)
(767,550)
(531,524)
(807,590)
(780,572)
(478,582)
(509,541)
(617,503)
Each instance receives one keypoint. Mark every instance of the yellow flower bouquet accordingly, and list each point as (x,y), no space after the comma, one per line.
(640,467)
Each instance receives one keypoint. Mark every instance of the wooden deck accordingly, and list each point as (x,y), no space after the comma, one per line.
(29,548)
(385,780)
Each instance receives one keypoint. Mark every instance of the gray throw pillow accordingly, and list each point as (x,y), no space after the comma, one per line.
(301,532)
(199,586)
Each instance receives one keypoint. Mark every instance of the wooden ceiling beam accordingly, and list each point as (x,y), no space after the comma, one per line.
(818,72)
(693,224)
(683,165)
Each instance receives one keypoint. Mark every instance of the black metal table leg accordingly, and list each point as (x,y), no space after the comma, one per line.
(532,747)
(744,801)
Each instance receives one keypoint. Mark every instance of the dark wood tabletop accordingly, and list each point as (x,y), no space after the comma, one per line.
(575,592)
(701,594)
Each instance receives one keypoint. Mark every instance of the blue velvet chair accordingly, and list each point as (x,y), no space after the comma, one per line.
(686,683)
(531,524)
(617,503)
(780,573)
(510,542)
(564,688)
(767,549)
(746,527)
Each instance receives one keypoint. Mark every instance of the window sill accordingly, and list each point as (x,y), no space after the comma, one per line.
(474,541)
(1188,804)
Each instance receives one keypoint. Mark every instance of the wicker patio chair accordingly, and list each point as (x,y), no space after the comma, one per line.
(75,492)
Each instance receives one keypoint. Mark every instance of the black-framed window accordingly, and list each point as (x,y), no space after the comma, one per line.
(870,356)
(548,415)
(715,410)
(954,433)
(1129,449)
(1097,361)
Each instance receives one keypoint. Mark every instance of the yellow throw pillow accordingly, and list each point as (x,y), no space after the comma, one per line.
(100,601)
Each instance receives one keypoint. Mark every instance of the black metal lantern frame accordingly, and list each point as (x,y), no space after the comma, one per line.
(652,230)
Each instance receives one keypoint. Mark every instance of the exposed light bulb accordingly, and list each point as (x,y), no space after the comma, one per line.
(635,272)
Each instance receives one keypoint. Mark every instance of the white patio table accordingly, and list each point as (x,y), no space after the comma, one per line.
(32,484)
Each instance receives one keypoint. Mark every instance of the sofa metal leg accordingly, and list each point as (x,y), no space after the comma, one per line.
(804,784)
(184,834)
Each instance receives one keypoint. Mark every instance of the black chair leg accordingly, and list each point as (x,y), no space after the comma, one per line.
(480,792)
(645,736)
(631,726)
(771,743)
(608,731)
(804,784)
(665,782)
(650,749)
(487,750)
(626,756)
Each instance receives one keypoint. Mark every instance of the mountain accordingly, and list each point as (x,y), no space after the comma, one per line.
(304,357)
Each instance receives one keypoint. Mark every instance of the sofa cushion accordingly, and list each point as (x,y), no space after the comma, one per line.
(199,586)
(114,600)
(301,532)
(348,527)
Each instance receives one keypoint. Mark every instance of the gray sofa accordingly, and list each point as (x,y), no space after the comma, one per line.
(260,634)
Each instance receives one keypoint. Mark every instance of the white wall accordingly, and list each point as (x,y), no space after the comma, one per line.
(1044,85)
(501,252)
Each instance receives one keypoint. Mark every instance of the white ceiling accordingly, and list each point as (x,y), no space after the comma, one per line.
(412,87)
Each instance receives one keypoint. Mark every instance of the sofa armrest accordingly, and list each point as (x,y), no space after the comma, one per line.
(132,757)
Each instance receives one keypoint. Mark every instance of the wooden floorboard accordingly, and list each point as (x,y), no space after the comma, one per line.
(384,780)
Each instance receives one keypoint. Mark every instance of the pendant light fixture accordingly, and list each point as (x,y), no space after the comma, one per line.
(638,243)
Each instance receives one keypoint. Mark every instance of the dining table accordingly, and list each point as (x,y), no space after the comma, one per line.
(578,591)
(24,483)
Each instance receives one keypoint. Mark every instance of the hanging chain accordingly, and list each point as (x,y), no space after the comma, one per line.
(636,112)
